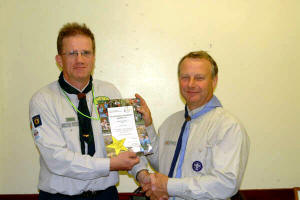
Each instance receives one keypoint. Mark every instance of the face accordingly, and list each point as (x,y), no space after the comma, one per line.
(196,82)
(76,69)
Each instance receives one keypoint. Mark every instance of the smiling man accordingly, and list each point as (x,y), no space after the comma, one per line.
(66,126)
(202,151)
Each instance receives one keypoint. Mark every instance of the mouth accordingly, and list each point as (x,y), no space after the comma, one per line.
(192,92)
(79,67)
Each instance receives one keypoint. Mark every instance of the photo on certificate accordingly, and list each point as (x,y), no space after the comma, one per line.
(123,127)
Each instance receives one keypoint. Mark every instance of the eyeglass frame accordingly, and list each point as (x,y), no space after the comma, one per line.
(75,53)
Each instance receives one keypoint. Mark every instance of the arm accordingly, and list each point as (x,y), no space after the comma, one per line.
(228,161)
(54,150)
(154,138)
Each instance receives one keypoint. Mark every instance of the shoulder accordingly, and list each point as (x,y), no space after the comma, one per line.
(175,118)
(46,93)
(104,88)
(222,116)
(102,84)
(45,99)
(222,123)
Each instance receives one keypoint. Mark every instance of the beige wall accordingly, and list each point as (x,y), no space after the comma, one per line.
(255,43)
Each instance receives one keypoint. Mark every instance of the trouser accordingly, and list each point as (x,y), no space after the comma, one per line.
(109,193)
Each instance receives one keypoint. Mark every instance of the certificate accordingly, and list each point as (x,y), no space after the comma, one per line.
(123,127)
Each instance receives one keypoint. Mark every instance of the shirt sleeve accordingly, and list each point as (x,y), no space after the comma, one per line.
(53,148)
(229,158)
(154,139)
(138,167)
(152,158)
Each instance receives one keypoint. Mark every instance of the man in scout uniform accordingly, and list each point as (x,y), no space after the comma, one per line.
(66,126)
(200,152)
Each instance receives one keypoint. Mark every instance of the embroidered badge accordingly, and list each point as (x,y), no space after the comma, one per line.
(101,98)
(36,134)
(197,166)
(37,121)
(69,124)
(70,119)
(66,125)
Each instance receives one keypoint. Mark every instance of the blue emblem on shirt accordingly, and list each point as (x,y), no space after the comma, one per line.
(197,166)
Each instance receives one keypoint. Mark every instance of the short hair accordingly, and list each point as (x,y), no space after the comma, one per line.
(73,29)
(201,55)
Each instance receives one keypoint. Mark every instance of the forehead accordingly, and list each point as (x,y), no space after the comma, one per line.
(77,41)
(195,65)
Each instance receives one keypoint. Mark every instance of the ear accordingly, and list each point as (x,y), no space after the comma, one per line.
(215,81)
(58,59)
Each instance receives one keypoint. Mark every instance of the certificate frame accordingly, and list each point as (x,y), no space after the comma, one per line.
(123,127)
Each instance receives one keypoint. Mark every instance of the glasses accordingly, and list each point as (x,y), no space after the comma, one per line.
(74,54)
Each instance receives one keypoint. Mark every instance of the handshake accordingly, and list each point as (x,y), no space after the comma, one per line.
(154,185)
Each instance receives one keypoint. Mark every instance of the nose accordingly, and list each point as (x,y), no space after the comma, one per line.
(79,57)
(191,82)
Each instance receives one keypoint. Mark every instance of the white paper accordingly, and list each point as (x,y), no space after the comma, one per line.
(122,126)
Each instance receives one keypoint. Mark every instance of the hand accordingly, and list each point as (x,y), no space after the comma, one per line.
(143,177)
(144,110)
(124,161)
(158,187)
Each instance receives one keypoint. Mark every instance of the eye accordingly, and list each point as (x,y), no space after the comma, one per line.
(199,78)
(86,53)
(73,53)
(184,77)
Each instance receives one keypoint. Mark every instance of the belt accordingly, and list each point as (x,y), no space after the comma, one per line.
(86,194)
(89,194)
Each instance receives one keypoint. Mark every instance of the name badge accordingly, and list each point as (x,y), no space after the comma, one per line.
(169,142)
(69,124)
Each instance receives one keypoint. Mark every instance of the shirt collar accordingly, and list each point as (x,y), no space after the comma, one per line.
(213,102)
(76,87)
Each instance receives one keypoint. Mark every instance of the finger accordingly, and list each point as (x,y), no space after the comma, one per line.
(153,197)
(153,183)
(146,187)
(131,164)
(152,178)
(143,102)
(147,179)
(139,97)
(140,110)
(131,154)
(148,193)
(136,160)
(164,197)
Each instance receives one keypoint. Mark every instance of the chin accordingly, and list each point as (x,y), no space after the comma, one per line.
(82,75)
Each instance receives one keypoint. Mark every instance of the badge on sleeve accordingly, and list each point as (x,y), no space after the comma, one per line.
(197,166)
(37,121)
(36,134)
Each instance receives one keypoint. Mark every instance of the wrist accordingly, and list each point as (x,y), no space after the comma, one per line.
(112,164)
(142,175)
(148,123)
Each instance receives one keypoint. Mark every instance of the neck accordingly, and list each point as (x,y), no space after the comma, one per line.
(193,106)
(79,85)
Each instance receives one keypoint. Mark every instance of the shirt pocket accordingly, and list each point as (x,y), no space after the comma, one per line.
(70,132)
(199,162)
